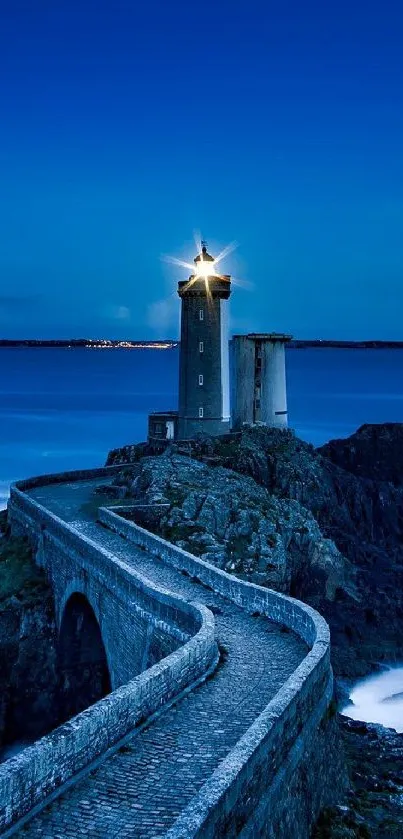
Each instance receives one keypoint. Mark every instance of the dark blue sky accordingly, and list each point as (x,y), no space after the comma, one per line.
(127,125)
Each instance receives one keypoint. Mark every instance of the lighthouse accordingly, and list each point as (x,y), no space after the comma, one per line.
(258,370)
(204,352)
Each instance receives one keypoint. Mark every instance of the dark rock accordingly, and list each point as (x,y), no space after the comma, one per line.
(3,522)
(128,454)
(320,532)
(374,451)
(231,521)
(374,808)
(363,518)
(28,654)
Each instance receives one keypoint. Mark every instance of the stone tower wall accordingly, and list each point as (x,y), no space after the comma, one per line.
(259,391)
(243,372)
(273,391)
(203,322)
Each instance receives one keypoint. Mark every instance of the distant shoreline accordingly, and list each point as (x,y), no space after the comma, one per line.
(346,345)
(88,343)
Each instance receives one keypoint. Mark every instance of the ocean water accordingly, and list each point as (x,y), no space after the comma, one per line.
(378,699)
(65,408)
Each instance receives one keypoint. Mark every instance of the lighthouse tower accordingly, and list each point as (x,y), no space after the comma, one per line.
(204,352)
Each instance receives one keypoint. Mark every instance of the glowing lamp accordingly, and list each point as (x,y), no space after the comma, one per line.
(204,264)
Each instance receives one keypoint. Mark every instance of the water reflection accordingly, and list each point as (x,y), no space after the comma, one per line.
(379,699)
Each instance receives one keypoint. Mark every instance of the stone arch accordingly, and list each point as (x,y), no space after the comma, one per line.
(100,604)
(83,665)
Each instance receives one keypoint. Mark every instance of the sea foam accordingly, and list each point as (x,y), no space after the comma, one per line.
(379,699)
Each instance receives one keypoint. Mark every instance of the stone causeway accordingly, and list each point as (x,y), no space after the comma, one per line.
(220,689)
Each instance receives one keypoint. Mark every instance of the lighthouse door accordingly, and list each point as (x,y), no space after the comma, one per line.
(170,430)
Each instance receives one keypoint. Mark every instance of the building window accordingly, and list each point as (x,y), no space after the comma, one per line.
(201,314)
(201,346)
(200,378)
(201,413)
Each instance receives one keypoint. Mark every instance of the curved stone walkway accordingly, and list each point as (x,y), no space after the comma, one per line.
(142,789)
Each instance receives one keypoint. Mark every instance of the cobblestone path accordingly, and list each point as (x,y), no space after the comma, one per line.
(141,790)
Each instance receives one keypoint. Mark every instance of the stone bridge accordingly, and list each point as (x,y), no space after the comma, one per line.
(211,697)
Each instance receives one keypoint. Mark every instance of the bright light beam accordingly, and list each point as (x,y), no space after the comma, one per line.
(226,251)
(203,269)
(174,261)
(246,284)
(197,240)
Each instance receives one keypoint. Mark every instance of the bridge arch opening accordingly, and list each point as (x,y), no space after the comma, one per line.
(83,666)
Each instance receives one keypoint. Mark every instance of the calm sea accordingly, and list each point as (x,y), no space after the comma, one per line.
(64,409)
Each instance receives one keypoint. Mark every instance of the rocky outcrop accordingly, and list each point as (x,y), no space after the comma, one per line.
(128,454)
(271,508)
(364,519)
(374,808)
(374,452)
(28,659)
(231,521)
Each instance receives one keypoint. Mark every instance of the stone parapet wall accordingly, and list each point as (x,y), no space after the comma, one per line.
(68,477)
(274,782)
(283,739)
(28,517)
(295,615)
(290,746)
(29,778)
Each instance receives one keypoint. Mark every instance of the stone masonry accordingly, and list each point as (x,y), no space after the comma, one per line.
(219,760)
